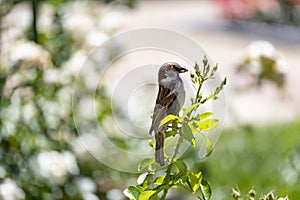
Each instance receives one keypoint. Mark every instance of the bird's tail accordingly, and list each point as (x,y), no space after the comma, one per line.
(159,148)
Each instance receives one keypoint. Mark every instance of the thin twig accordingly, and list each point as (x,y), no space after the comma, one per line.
(35,4)
(168,173)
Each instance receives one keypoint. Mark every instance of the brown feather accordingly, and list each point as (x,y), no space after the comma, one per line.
(159,148)
(167,102)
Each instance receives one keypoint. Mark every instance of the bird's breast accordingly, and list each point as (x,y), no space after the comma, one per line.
(180,97)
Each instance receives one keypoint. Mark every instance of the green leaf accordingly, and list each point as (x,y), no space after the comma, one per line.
(175,124)
(181,166)
(154,197)
(193,126)
(204,115)
(205,189)
(187,134)
(146,194)
(142,178)
(159,180)
(189,110)
(164,186)
(208,125)
(220,87)
(168,119)
(132,192)
(145,163)
(194,180)
(213,71)
(205,60)
(171,133)
(209,146)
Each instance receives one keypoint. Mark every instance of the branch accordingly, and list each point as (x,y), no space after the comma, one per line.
(168,173)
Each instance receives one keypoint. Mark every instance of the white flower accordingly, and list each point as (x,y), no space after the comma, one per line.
(45,19)
(19,17)
(78,25)
(2,172)
(77,20)
(254,67)
(55,166)
(52,110)
(28,53)
(87,108)
(95,39)
(10,116)
(111,21)
(114,194)
(87,144)
(9,190)
(74,64)
(52,76)
(86,185)
(260,48)
(90,196)
(64,96)
(281,63)
(28,111)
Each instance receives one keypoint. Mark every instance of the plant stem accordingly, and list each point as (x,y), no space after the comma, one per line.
(168,173)
(200,80)
(34,4)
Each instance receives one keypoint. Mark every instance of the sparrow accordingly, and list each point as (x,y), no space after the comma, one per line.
(170,99)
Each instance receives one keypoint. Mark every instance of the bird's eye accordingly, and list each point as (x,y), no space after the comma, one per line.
(176,67)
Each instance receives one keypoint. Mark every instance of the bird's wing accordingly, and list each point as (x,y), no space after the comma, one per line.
(165,98)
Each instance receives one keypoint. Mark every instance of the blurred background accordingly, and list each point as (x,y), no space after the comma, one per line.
(44,43)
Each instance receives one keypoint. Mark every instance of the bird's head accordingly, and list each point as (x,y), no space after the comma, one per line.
(170,71)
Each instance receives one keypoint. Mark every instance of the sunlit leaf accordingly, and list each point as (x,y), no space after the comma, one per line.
(145,163)
(205,189)
(204,115)
(132,193)
(181,166)
(159,180)
(190,109)
(194,180)
(187,134)
(168,118)
(142,178)
(208,125)
(209,146)
(146,194)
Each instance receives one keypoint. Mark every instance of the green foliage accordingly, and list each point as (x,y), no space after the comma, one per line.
(145,163)
(153,185)
(168,119)
(40,153)
(187,134)
(265,157)
(149,185)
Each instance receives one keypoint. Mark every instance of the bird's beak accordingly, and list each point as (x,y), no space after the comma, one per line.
(182,70)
